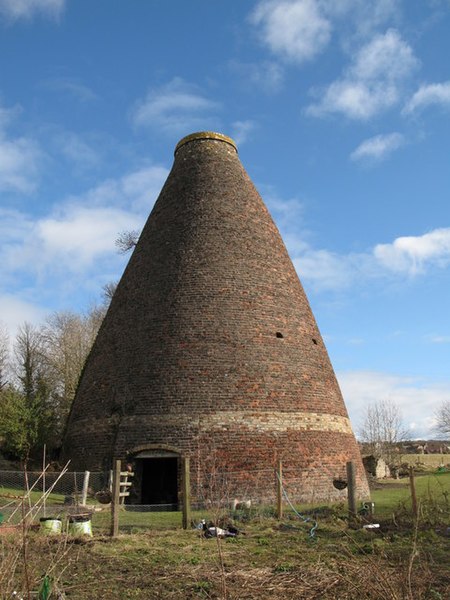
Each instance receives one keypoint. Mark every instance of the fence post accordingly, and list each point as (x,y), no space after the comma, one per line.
(279,483)
(351,489)
(84,491)
(115,501)
(186,489)
(412,485)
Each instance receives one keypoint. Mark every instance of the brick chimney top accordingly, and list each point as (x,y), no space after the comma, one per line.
(205,135)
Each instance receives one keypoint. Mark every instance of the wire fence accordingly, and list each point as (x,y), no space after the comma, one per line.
(218,496)
(68,484)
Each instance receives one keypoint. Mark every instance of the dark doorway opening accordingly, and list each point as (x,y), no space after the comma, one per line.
(160,480)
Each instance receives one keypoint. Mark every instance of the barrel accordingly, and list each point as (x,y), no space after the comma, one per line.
(50,525)
(80,525)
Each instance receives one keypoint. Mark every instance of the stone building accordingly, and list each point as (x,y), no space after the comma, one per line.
(210,349)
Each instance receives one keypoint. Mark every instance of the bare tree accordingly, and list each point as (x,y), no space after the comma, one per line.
(4,356)
(382,430)
(46,365)
(127,240)
(29,364)
(30,411)
(443,418)
(67,339)
(108,291)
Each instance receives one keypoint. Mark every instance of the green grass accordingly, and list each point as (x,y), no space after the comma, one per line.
(393,494)
(390,496)
(8,493)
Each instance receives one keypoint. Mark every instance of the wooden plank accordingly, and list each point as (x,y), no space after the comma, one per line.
(124,494)
(186,483)
(351,490)
(279,484)
(125,483)
(115,499)
(126,474)
(413,492)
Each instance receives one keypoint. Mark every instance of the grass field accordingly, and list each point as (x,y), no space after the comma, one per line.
(270,559)
(390,495)
(430,461)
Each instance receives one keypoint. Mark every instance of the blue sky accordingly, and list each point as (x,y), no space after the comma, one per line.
(341,114)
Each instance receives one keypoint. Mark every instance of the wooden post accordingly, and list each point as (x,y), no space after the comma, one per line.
(351,489)
(279,484)
(412,485)
(186,490)
(43,479)
(84,491)
(115,502)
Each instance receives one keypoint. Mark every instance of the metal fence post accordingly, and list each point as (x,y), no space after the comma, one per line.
(84,491)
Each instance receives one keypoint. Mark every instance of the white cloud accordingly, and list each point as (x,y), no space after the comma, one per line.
(288,214)
(77,150)
(241,130)
(20,157)
(412,254)
(141,187)
(8,114)
(438,339)
(386,56)
(267,75)
(374,81)
(70,251)
(70,86)
(19,164)
(378,147)
(27,9)
(82,234)
(177,107)
(324,270)
(298,31)
(15,311)
(408,256)
(434,94)
(416,398)
(363,16)
(294,30)
(81,231)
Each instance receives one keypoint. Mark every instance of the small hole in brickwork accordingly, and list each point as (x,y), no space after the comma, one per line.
(314,341)
(279,334)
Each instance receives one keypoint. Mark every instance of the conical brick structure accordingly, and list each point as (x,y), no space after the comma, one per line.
(210,348)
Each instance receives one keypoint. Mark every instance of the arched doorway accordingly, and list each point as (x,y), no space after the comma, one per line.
(157,477)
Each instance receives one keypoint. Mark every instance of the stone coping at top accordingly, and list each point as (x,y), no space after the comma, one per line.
(205,135)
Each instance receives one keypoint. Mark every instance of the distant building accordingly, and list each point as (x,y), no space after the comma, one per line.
(376,467)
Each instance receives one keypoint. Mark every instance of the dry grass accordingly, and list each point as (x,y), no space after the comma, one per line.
(430,461)
(268,562)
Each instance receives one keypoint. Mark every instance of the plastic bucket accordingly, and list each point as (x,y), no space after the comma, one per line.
(80,526)
(50,525)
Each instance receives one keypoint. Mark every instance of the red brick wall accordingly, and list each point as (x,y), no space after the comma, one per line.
(188,353)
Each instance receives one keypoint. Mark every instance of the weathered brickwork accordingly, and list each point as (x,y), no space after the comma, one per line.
(210,342)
